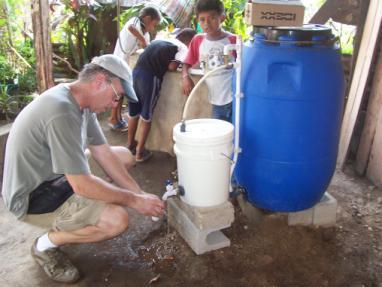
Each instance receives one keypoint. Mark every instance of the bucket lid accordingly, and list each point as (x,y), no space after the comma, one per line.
(204,131)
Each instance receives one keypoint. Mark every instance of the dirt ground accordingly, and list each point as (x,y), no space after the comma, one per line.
(266,253)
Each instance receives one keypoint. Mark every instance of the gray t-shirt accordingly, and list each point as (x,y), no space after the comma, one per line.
(47,139)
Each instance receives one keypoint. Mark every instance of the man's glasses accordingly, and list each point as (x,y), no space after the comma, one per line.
(117,96)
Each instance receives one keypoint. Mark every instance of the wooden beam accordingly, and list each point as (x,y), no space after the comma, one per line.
(361,72)
(42,44)
(374,168)
(343,11)
(374,108)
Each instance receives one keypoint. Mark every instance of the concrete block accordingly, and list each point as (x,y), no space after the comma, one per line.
(325,212)
(200,227)
(322,214)
(254,215)
(304,217)
(208,217)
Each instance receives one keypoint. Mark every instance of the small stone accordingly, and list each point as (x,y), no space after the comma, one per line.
(379,200)
(371,187)
(245,227)
(370,229)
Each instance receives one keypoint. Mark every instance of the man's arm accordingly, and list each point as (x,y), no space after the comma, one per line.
(113,167)
(90,186)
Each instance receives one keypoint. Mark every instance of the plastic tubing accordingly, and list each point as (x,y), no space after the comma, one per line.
(187,104)
(238,95)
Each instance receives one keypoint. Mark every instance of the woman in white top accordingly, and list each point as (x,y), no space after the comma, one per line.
(134,34)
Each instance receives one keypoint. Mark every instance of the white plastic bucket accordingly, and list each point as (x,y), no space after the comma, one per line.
(203,155)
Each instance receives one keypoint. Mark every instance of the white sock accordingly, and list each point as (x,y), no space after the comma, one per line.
(44,243)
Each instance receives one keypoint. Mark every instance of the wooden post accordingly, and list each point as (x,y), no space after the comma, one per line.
(42,44)
(374,168)
(361,72)
(9,30)
(374,108)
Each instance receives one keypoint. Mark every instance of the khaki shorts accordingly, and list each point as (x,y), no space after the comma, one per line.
(75,213)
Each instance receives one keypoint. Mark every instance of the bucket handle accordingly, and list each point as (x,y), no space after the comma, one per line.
(230,159)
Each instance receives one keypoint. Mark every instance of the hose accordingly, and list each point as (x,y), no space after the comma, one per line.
(186,105)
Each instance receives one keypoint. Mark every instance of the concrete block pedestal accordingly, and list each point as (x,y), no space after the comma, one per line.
(322,214)
(200,226)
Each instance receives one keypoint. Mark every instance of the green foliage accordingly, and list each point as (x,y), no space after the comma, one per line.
(14,46)
(7,71)
(8,104)
(27,81)
(346,34)
(234,22)
(23,100)
(72,25)
(129,13)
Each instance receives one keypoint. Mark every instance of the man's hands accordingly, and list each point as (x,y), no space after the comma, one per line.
(188,85)
(148,204)
(93,187)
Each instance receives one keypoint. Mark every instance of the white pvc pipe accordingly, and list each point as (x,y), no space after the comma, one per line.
(238,95)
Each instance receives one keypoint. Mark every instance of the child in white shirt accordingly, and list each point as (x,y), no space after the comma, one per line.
(134,34)
(207,49)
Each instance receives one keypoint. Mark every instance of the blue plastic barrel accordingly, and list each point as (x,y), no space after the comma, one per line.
(290,117)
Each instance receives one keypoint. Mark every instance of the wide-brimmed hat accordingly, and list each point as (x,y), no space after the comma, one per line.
(119,68)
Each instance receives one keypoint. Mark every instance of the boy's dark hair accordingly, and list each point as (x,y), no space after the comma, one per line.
(209,5)
(185,35)
(150,11)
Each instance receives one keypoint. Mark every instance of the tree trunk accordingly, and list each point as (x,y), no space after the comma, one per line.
(6,14)
(42,44)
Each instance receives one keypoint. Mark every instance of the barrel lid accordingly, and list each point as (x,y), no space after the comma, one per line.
(203,131)
(307,32)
